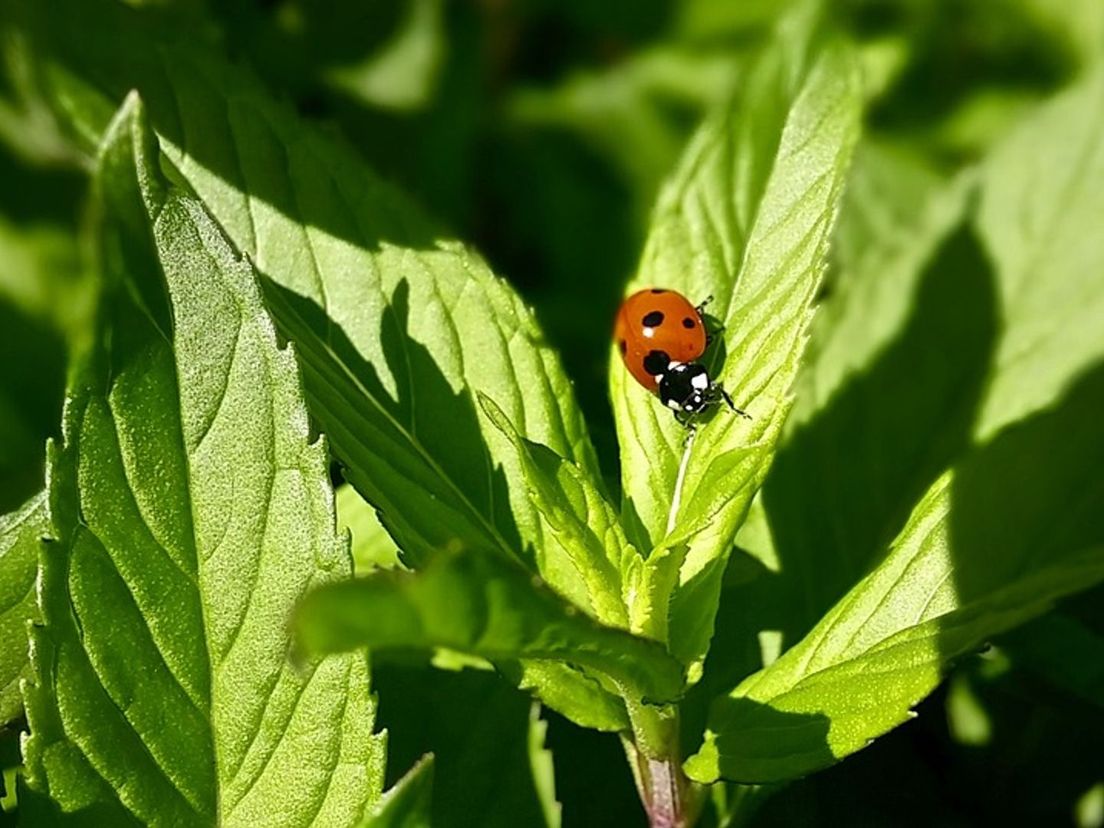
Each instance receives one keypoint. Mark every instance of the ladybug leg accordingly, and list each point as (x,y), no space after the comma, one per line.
(701,305)
(732,405)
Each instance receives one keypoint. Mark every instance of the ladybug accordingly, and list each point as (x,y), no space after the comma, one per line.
(662,337)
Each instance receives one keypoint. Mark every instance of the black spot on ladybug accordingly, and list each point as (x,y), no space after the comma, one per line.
(658,290)
(653,319)
(656,362)
(688,323)
(624,346)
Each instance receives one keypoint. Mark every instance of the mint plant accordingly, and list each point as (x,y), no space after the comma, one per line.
(197,645)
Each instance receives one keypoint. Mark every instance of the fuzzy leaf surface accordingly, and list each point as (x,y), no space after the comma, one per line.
(585,523)
(191,509)
(1017,522)
(20,535)
(396,325)
(486,607)
(409,803)
(746,219)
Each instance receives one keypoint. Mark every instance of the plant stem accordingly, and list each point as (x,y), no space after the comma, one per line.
(669,798)
(663,791)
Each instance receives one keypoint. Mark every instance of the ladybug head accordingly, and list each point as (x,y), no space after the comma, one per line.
(686,388)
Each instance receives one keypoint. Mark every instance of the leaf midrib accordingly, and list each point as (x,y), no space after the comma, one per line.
(752,225)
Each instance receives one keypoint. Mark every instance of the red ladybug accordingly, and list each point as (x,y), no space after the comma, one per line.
(661,337)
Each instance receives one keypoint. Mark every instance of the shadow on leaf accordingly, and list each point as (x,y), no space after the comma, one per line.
(440,425)
(758,743)
(1032,496)
(845,481)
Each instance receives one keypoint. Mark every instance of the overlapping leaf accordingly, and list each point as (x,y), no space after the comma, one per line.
(1018,521)
(395,324)
(585,523)
(408,803)
(480,731)
(487,607)
(370,544)
(886,398)
(745,219)
(20,535)
(879,652)
(191,509)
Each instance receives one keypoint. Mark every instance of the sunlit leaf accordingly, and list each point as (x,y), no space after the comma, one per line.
(1015,524)
(191,508)
(883,404)
(482,606)
(408,804)
(20,536)
(396,325)
(584,521)
(371,546)
(745,219)
(542,762)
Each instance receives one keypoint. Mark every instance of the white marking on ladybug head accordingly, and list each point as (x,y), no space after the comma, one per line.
(673,404)
(701,382)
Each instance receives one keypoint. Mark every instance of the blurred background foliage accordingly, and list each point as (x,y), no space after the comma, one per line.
(539,130)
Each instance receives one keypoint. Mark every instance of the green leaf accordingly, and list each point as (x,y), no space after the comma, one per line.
(41,298)
(1039,217)
(1076,25)
(41,273)
(1018,521)
(624,111)
(348,261)
(583,520)
(191,509)
(576,695)
(968,721)
(479,730)
(483,606)
(881,650)
(20,536)
(882,405)
(709,19)
(403,73)
(1063,650)
(408,803)
(746,219)
(542,765)
(371,546)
